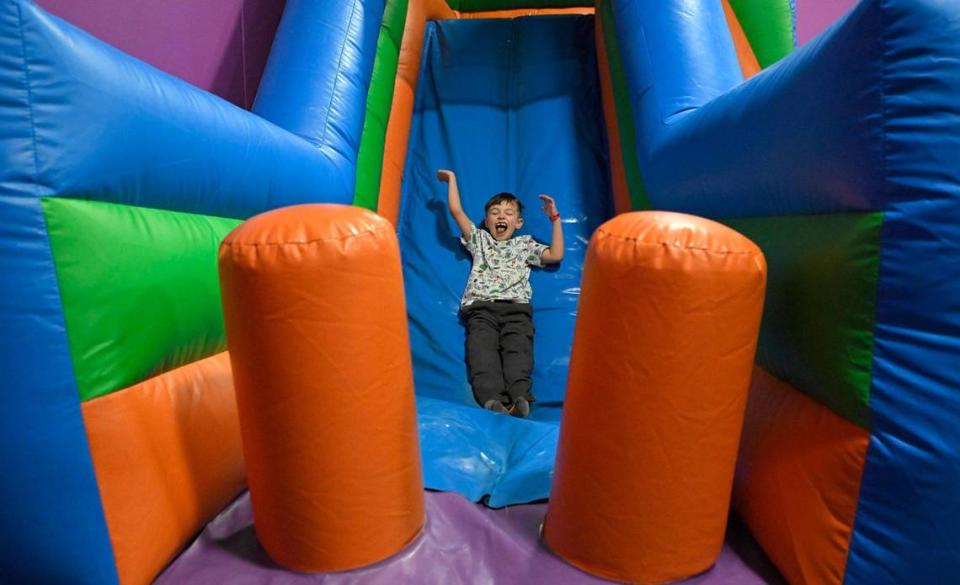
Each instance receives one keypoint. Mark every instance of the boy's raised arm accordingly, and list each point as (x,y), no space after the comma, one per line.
(553,254)
(453,200)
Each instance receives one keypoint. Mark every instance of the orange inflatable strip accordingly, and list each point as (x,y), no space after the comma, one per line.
(401,110)
(749,65)
(520,12)
(663,351)
(317,329)
(798,480)
(618,175)
(167,458)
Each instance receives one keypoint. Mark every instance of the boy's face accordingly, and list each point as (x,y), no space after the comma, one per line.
(502,220)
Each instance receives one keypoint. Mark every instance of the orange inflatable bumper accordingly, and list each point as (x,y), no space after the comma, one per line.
(316,327)
(663,352)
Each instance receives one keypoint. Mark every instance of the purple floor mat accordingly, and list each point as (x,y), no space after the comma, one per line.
(463,543)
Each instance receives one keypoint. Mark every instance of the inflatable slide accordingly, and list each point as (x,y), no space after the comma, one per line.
(118,183)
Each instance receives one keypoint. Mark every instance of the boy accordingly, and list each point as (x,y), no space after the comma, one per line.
(496,302)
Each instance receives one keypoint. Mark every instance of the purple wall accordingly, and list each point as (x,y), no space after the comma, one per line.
(813,16)
(218,45)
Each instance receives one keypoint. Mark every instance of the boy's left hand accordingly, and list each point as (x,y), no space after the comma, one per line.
(549,206)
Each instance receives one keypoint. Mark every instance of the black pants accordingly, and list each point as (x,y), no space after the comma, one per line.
(499,350)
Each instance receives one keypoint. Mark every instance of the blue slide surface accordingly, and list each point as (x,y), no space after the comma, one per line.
(509,105)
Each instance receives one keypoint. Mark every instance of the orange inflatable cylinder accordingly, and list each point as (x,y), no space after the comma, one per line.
(316,327)
(663,352)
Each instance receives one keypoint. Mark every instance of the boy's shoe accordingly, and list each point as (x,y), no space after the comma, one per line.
(520,408)
(495,406)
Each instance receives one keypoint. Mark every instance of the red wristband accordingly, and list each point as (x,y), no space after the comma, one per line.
(555,217)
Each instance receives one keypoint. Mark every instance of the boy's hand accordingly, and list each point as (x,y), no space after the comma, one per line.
(554,253)
(453,201)
(549,207)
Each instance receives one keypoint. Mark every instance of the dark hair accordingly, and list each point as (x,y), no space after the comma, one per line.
(503,198)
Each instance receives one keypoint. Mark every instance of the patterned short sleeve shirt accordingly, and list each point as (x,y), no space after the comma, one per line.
(501,270)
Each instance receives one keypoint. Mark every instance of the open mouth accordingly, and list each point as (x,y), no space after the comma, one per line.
(500,227)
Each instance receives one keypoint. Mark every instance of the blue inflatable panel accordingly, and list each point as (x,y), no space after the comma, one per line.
(316,80)
(483,455)
(864,118)
(510,105)
(52,527)
(106,126)
(908,518)
(679,55)
(804,136)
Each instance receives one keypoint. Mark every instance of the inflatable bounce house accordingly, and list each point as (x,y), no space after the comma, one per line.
(127,433)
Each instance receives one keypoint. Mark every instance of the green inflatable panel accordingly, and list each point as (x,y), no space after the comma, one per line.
(379,102)
(769,26)
(139,289)
(818,319)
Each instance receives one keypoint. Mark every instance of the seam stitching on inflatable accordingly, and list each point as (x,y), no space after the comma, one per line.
(662,243)
(851,545)
(885,207)
(306,242)
(33,125)
(336,82)
(883,107)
